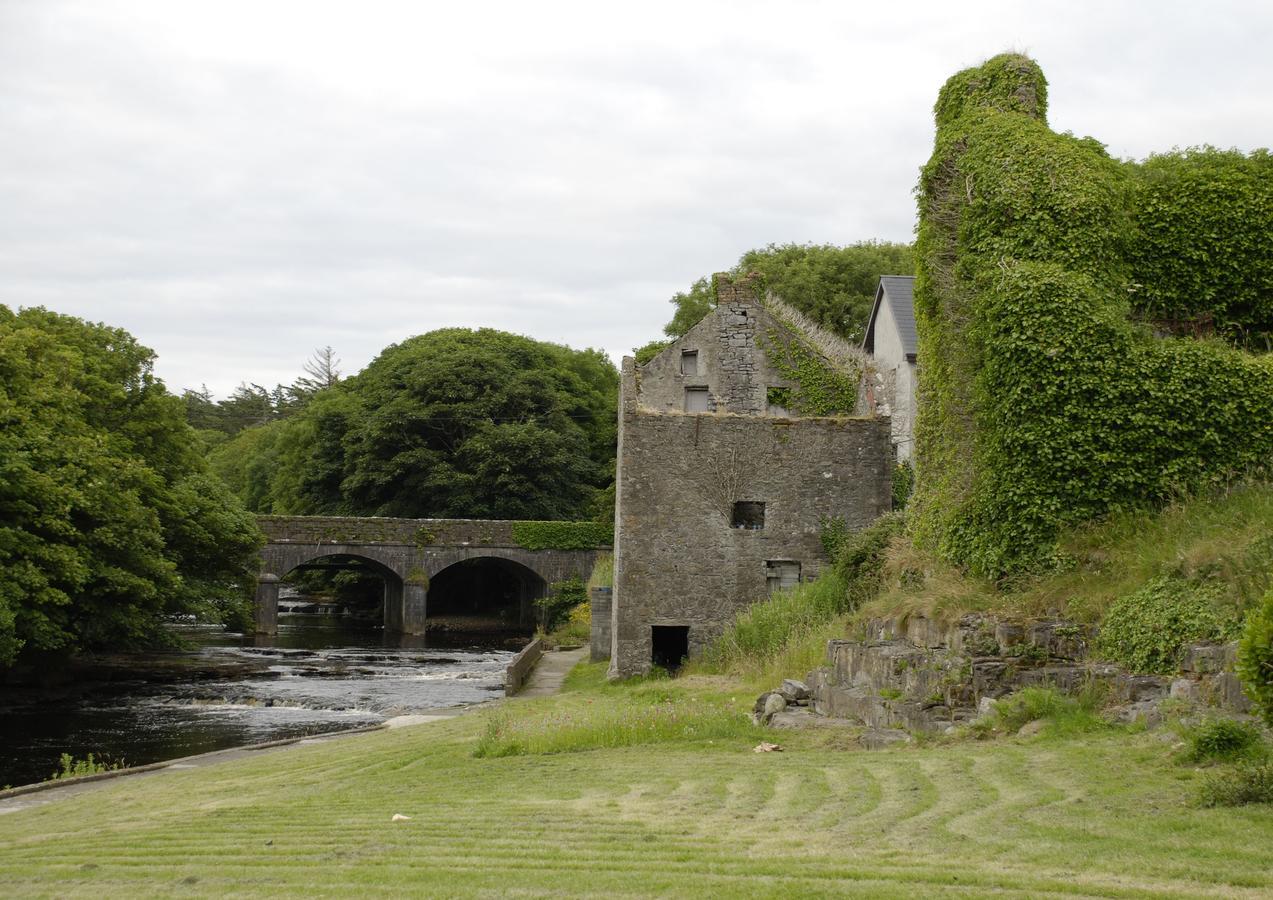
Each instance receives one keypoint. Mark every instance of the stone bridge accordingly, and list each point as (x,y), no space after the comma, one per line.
(414,556)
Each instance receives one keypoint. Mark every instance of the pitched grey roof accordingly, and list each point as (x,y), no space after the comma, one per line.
(899,292)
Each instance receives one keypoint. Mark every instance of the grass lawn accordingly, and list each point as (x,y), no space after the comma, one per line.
(697,812)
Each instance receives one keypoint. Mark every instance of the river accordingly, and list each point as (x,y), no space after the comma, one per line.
(314,677)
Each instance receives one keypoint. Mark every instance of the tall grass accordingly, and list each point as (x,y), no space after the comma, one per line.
(593,713)
(614,725)
(1224,538)
(602,571)
(784,635)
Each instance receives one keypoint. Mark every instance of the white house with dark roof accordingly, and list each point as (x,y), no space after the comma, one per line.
(891,341)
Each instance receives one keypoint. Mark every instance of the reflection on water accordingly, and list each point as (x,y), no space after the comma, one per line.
(307,680)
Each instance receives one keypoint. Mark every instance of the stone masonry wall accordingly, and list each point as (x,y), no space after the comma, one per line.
(924,675)
(678,561)
(731,366)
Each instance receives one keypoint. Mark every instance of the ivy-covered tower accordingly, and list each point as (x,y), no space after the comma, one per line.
(736,444)
(1046,396)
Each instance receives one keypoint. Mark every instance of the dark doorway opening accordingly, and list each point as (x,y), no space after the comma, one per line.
(484,594)
(669,645)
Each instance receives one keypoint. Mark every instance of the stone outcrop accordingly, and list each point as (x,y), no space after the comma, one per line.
(919,674)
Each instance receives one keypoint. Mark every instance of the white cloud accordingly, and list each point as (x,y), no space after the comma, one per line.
(238,183)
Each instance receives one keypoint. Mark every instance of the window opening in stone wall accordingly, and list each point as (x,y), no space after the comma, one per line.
(778,400)
(669,645)
(781,573)
(696,400)
(689,362)
(748,514)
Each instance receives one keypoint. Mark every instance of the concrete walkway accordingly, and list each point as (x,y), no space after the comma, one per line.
(549,673)
(544,681)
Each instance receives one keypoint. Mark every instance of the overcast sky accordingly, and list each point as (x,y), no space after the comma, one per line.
(239,183)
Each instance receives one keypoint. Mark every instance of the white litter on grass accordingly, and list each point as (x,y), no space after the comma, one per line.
(766,747)
(399,817)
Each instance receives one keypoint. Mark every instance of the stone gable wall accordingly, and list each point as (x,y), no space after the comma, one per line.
(731,365)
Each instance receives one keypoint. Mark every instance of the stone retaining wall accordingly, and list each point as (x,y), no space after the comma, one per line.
(601,600)
(922,675)
(518,671)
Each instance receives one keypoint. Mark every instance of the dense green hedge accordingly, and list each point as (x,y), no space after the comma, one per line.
(562,535)
(1203,241)
(1041,404)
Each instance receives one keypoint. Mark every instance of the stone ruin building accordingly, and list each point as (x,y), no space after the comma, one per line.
(729,464)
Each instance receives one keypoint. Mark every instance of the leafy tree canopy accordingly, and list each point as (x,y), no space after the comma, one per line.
(834,286)
(108,518)
(455,423)
(251,404)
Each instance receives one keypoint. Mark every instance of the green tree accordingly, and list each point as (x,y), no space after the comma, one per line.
(454,423)
(108,520)
(834,286)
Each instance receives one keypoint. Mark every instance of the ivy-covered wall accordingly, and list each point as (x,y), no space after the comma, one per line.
(1042,404)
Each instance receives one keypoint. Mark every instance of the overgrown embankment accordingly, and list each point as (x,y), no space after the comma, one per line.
(1151,582)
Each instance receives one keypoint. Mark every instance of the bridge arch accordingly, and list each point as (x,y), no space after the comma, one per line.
(487,591)
(391,592)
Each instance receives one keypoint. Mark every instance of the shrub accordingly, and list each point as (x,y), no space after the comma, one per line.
(1255,657)
(903,484)
(1247,782)
(563,597)
(1222,740)
(1147,630)
(861,555)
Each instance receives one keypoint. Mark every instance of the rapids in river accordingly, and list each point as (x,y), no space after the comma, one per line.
(312,678)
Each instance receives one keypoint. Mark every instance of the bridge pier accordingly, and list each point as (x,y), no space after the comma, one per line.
(405,605)
(266,606)
(414,603)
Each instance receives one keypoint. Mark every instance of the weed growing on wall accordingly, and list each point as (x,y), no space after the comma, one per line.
(562,535)
(820,389)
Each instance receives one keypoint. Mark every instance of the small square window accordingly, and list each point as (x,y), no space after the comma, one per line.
(696,400)
(689,362)
(749,515)
(781,573)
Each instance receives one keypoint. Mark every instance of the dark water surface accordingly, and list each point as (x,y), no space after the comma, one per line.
(312,678)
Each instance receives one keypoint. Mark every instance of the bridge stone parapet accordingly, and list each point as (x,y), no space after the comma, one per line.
(409,554)
(372,530)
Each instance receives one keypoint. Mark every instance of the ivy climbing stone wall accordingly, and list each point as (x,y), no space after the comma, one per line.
(1042,404)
